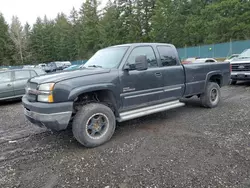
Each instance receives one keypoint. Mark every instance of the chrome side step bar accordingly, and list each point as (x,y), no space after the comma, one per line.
(124,116)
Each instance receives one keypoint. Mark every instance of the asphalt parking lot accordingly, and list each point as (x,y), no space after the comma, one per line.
(186,147)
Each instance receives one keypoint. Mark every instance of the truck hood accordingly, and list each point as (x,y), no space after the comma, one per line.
(239,61)
(65,75)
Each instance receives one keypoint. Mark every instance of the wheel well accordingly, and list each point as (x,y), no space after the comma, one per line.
(105,97)
(216,78)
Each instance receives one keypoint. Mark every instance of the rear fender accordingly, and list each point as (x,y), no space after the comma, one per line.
(213,73)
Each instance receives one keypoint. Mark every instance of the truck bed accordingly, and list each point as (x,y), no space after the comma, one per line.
(197,76)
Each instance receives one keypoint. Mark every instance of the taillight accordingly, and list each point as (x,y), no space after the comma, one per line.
(230,68)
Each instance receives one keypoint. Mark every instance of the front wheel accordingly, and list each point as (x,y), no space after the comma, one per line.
(94,125)
(211,97)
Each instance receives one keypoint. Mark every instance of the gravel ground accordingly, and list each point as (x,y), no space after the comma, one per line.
(186,147)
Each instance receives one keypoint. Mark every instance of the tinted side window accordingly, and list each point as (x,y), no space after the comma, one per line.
(5,77)
(22,75)
(145,50)
(33,74)
(167,55)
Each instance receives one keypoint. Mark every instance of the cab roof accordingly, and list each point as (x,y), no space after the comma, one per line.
(141,44)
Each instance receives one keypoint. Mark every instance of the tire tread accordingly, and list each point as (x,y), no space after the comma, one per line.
(78,127)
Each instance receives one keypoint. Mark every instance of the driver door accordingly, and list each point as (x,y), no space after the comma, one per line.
(141,88)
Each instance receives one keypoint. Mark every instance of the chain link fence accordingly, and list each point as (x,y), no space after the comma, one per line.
(221,50)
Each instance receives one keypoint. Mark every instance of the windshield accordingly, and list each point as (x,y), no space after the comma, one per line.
(107,58)
(244,54)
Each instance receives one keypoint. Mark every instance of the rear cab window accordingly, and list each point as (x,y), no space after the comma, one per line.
(167,56)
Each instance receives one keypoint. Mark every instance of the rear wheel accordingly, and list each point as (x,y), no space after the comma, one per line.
(211,97)
(94,125)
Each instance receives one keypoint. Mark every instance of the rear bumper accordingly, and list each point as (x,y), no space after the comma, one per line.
(52,116)
(240,75)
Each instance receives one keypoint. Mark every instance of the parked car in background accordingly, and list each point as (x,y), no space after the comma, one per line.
(231,57)
(205,60)
(41,66)
(28,66)
(66,64)
(54,66)
(241,67)
(72,67)
(3,69)
(189,60)
(198,60)
(13,82)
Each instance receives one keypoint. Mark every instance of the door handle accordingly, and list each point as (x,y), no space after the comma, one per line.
(158,74)
(8,85)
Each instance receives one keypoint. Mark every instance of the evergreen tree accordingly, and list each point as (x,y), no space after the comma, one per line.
(37,41)
(6,45)
(144,13)
(18,39)
(111,26)
(74,35)
(27,52)
(62,32)
(89,29)
(81,34)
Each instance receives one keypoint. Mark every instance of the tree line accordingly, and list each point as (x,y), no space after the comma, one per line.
(80,34)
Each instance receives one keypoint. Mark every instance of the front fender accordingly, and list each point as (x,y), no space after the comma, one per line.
(89,88)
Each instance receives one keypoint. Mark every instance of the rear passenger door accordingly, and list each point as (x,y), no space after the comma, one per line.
(6,85)
(141,88)
(173,73)
(20,81)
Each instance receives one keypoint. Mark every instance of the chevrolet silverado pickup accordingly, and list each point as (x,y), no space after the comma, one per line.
(117,84)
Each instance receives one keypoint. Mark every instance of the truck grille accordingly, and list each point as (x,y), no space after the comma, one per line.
(241,67)
(31,97)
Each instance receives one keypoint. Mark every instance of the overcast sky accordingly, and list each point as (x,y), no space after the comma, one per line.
(29,10)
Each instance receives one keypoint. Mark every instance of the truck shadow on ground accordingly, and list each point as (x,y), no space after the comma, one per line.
(151,122)
(10,102)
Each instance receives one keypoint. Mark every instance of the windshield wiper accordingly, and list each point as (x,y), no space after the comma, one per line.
(96,66)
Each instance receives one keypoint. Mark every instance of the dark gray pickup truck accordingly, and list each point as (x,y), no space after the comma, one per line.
(120,83)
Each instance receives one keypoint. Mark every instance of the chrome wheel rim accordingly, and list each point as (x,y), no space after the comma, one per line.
(97,126)
(214,95)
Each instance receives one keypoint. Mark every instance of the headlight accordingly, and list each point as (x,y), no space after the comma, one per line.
(46,92)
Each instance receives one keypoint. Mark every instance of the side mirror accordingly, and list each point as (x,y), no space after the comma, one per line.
(141,63)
